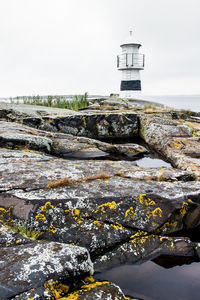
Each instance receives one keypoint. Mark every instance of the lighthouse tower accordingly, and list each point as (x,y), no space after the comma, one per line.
(130,62)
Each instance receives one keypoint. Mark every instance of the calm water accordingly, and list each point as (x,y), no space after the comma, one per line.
(150,281)
(148,162)
(178,101)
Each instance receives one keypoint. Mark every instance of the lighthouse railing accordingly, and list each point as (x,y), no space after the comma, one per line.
(130,60)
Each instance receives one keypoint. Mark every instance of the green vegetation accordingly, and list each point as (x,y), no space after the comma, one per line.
(26,230)
(78,102)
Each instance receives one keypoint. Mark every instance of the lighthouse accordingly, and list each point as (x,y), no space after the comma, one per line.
(130,62)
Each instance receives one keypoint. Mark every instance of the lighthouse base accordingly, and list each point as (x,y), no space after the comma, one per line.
(130,95)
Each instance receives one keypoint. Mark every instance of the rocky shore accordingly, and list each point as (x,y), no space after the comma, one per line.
(74,199)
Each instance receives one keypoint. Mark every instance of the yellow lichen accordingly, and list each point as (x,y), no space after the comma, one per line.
(141,198)
(56,289)
(99,223)
(157,212)
(52,229)
(40,216)
(117,226)
(184,209)
(48,203)
(110,205)
(129,212)
(75,212)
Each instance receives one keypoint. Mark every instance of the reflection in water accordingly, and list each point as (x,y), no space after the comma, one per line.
(150,281)
(85,154)
(148,162)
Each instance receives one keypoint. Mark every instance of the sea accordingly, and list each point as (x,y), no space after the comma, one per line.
(187,102)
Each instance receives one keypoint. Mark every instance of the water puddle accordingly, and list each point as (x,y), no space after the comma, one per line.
(148,162)
(159,280)
(86,155)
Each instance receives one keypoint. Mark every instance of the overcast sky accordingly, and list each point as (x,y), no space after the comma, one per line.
(70,46)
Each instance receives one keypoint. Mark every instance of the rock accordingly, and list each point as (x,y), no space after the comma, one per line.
(28,140)
(15,136)
(143,247)
(86,288)
(35,170)
(173,139)
(131,150)
(27,266)
(16,112)
(102,125)
(98,290)
(61,221)
(79,190)
(99,223)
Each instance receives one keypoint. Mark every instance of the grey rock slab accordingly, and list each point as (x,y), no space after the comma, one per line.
(17,111)
(8,156)
(32,170)
(62,221)
(14,135)
(30,141)
(144,247)
(28,266)
(101,125)
(175,140)
(26,169)
(87,288)
(100,290)
(100,222)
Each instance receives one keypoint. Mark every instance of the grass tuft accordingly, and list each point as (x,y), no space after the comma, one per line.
(26,230)
(60,182)
(67,180)
(78,102)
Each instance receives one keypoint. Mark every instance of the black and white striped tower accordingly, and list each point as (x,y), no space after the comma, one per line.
(130,62)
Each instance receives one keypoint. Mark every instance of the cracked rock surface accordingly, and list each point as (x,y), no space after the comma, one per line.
(71,181)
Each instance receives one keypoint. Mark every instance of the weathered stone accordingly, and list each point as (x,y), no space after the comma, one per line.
(173,139)
(101,125)
(143,247)
(121,213)
(28,266)
(99,223)
(98,290)
(35,170)
(14,136)
(86,288)
(12,111)
(62,221)
(30,141)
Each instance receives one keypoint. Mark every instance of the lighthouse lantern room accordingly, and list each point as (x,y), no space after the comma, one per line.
(130,62)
